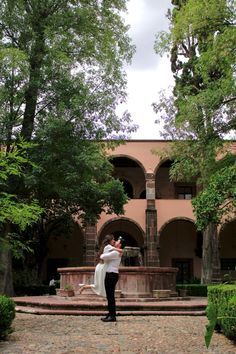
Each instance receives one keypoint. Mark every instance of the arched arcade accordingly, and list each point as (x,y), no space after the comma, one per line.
(180,246)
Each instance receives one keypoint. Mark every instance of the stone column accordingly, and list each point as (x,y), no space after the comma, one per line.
(89,254)
(152,258)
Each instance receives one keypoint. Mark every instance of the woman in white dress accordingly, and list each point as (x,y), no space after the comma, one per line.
(100,271)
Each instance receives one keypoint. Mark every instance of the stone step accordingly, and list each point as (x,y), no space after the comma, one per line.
(43,311)
(84,297)
(58,305)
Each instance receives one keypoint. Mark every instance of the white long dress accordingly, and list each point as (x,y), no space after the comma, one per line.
(99,279)
(99,275)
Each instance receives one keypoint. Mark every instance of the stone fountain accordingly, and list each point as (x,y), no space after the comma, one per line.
(135,281)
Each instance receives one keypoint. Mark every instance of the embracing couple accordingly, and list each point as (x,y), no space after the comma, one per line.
(107,274)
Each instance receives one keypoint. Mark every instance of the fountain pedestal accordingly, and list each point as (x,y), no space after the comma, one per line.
(133,281)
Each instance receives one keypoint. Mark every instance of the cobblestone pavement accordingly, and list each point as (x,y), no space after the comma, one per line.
(47,334)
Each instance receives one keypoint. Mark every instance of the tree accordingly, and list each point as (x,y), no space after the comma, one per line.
(63,59)
(61,64)
(15,212)
(73,176)
(72,179)
(201,43)
(217,203)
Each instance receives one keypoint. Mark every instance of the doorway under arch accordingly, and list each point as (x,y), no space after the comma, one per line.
(64,249)
(180,246)
(227,237)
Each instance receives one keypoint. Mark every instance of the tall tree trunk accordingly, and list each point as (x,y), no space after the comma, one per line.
(210,255)
(6,277)
(32,92)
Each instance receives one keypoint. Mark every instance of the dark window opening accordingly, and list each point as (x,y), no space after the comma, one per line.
(228,263)
(185,192)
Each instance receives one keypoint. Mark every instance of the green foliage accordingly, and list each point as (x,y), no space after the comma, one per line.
(73,175)
(115,197)
(210,327)
(12,161)
(221,311)
(219,294)
(34,290)
(13,208)
(63,59)
(7,315)
(19,246)
(68,287)
(228,321)
(27,283)
(162,42)
(16,209)
(193,289)
(202,109)
(18,213)
(25,277)
(62,79)
(203,65)
(218,199)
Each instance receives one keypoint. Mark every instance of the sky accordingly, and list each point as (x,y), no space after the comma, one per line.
(149,73)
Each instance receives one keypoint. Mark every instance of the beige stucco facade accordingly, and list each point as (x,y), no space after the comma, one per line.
(158,218)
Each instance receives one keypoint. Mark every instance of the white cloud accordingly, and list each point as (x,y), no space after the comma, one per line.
(148,73)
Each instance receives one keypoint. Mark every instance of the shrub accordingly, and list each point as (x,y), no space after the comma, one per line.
(221,311)
(219,297)
(31,290)
(7,315)
(193,289)
(228,321)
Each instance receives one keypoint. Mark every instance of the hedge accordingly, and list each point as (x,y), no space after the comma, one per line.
(221,311)
(193,289)
(7,315)
(31,290)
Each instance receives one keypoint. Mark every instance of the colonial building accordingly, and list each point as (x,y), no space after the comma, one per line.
(158,219)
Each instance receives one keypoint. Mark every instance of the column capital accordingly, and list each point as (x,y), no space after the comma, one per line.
(150,174)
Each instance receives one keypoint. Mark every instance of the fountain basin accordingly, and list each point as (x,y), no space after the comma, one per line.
(133,281)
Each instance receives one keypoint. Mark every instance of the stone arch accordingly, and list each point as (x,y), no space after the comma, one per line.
(129,169)
(64,249)
(167,189)
(180,246)
(161,162)
(129,229)
(178,218)
(128,157)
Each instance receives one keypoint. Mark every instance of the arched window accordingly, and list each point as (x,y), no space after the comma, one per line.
(131,173)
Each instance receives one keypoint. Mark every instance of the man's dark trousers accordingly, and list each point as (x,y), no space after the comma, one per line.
(110,283)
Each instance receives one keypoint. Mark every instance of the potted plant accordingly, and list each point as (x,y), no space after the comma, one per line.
(68,290)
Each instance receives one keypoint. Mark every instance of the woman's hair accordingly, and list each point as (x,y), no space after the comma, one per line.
(105,242)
